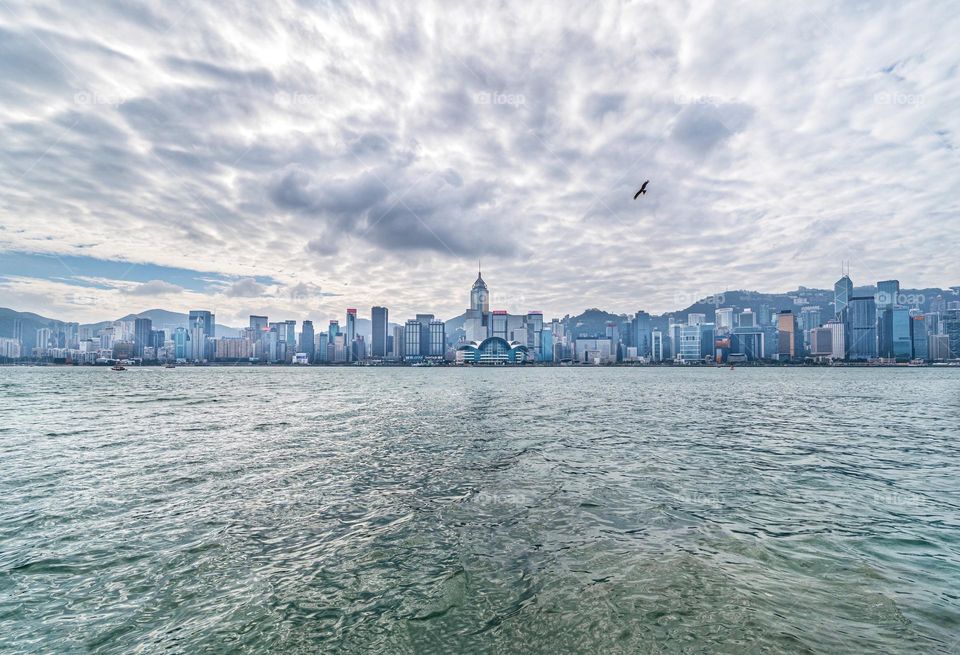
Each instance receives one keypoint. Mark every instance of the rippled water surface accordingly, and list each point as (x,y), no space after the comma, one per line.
(216,510)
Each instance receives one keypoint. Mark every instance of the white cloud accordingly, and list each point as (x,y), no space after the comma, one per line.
(366,150)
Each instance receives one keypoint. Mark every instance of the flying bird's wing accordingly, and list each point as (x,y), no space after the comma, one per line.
(637,194)
(644,187)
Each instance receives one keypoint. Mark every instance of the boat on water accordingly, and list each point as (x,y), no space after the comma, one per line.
(170,366)
(118,367)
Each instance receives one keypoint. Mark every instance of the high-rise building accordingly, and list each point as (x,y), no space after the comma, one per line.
(862,323)
(207,318)
(788,340)
(437,339)
(412,340)
(901,334)
(724,320)
(498,323)
(141,335)
(350,332)
(380,325)
(842,292)
(747,340)
(821,342)
(920,342)
(307,344)
(641,327)
(258,323)
(398,341)
(950,326)
(534,323)
(888,294)
(480,295)
(747,319)
(838,339)
(320,351)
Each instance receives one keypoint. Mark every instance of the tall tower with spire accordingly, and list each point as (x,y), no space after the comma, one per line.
(480,295)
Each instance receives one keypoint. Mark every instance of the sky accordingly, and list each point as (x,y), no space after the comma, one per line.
(298,158)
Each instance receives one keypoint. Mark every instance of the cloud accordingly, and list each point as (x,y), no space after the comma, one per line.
(154,288)
(378,152)
(245,288)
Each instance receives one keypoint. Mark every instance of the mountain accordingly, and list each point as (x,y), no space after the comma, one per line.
(165,320)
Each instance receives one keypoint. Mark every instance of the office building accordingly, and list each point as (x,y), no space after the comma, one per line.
(380,326)
(862,323)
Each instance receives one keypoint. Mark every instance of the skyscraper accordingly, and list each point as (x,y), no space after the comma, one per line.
(842,292)
(141,335)
(208,319)
(350,332)
(307,344)
(642,333)
(379,318)
(787,336)
(862,322)
(888,292)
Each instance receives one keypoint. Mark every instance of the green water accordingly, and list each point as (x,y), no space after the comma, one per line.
(224,510)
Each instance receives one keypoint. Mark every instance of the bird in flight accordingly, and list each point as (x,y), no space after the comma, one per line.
(642,191)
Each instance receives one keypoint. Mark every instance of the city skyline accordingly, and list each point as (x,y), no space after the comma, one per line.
(512,303)
(882,323)
(211,167)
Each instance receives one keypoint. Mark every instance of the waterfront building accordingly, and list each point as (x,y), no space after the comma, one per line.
(411,340)
(492,350)
(641,328)
(141,335)
(320,351)
(950,326)
(546,345)
(788,339)
(398,342)
(380,326)
(9,348)
(307,337)
(901,335)
(862,322)
(747,341)
(594,350)
(658,352)
(821,343)
(181,344)
(838,339)
(918,331)
(534,329)
(689,343)
(350,331)
(437,339)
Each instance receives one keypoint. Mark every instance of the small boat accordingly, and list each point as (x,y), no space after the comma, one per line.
(170,366)
(118,367)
